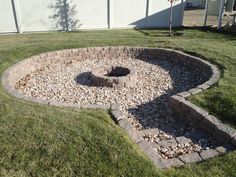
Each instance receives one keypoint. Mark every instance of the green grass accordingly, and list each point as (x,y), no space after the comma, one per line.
(37,140)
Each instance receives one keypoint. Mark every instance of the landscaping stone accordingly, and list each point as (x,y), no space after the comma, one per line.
(190,158)
(183,140)
(224,133)
(125,124)
(150,131)
(225,148)
(152,154)
(209,123)
(207,154)
(117,115)
(77,106)
(94,106)
(234,140)
(195,91)
(198,113)
(155,145)
(167,143)
(134,135)
(116,107)
(174,162)
(114,76)
(187,106)
(203,86)
(146,147)
(184,94)
(175,101)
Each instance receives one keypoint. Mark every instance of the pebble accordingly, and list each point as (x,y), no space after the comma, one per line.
(145,103)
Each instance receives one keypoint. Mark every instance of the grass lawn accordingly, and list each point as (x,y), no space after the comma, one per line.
(37,140)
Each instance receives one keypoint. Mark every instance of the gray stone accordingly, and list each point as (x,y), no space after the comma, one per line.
(207,154)
(192,120)
(190,158)
(175,101)
(167,143)
(174,162)
(134,135)
(117,115)
(216,73)
(184,94)
(51,54)
(150,131)
(224,133)
(212,80)
(155,145)
(125,124)
(100,78)
(234,140)
(195,91)
(147,148)
(203,86)
(159,162)
(150,152)
(115,107)
(71,105)
(225,148)
(187,106)
(198,113)
(209,123)
(183,140)
(94,106)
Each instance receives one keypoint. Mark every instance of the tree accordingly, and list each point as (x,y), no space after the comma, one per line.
(171,16)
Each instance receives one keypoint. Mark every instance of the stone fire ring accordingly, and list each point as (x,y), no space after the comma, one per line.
(114,76)
(178,103)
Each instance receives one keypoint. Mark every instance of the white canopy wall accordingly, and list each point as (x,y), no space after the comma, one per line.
(50,15)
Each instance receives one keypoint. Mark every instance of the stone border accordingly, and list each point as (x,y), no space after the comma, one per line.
(99,77)
(185,109)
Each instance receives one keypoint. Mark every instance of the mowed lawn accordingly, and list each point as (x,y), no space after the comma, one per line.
(38,140)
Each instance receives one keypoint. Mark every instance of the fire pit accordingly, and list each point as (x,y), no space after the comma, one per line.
(114,76)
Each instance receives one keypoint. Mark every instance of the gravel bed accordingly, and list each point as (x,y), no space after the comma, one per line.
(175,149)
(145,104)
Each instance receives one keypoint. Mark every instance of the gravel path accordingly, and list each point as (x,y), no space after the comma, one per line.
(145,104)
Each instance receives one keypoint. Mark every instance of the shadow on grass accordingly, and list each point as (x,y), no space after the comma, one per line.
(229,35)
(178,32)
(161,32)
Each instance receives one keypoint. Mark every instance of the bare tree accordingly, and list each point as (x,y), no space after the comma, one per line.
(172,2)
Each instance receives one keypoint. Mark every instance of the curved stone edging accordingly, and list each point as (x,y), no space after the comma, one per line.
(178,103)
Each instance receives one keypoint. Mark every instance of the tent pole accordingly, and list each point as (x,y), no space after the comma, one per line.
(221,11)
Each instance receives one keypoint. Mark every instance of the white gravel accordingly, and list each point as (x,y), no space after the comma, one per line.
(145,102)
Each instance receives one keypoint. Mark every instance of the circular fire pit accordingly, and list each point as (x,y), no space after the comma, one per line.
(145,94)
(114,76)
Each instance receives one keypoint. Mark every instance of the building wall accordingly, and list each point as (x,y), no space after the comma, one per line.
(49,15)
